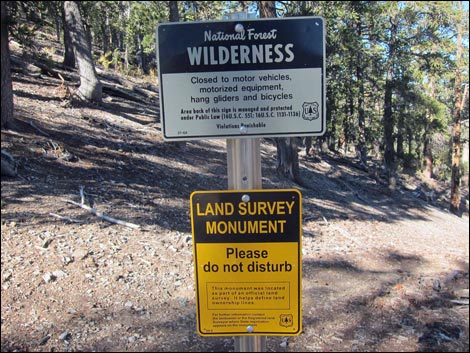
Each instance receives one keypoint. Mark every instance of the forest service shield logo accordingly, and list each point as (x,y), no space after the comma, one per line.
(310,111)
(286,320)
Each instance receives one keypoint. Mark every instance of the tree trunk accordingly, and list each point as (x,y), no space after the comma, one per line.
(348,126)
(267,9)
(288,159)
(287,154)
(332,134)
(90,86)
(361,138)
(427,155)
(324,146)
(455,179)
(107,34)
(389,154)
(408,162)
(174,13)
(174,16)
(127,14)
(140,51)
(409,137)
(69,56)
(55,8)
(115,39)
(401,137)
(7,89)
(105,38)
(308,146)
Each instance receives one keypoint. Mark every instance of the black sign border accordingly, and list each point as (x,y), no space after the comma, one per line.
(319,132)
(299,264)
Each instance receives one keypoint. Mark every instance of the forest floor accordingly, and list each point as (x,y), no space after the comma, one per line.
(380,272)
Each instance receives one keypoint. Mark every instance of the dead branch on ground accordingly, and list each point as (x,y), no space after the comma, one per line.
(103,216)
(83,198)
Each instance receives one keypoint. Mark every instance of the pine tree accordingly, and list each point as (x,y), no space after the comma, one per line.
(90,86)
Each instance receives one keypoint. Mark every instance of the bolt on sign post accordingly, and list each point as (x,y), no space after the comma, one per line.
(243,79)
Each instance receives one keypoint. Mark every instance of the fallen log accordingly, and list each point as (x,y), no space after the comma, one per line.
(18,65)
(144,92)
(116,91)
(8,165)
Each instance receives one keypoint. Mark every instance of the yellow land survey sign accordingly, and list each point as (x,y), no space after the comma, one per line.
(247,262)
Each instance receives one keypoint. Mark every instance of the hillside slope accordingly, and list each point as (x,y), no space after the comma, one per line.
(380,272)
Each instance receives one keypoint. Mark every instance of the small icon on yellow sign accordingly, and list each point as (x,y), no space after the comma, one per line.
(286,320)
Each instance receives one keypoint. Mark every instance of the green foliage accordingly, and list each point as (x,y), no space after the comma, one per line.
(363,40)
(106,60)
(411,163)
(440,145)
(24,34)
(25,18)
(116,60)
(206,10)
(464,167)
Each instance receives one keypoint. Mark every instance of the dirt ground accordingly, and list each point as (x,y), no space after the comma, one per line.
(380,272)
